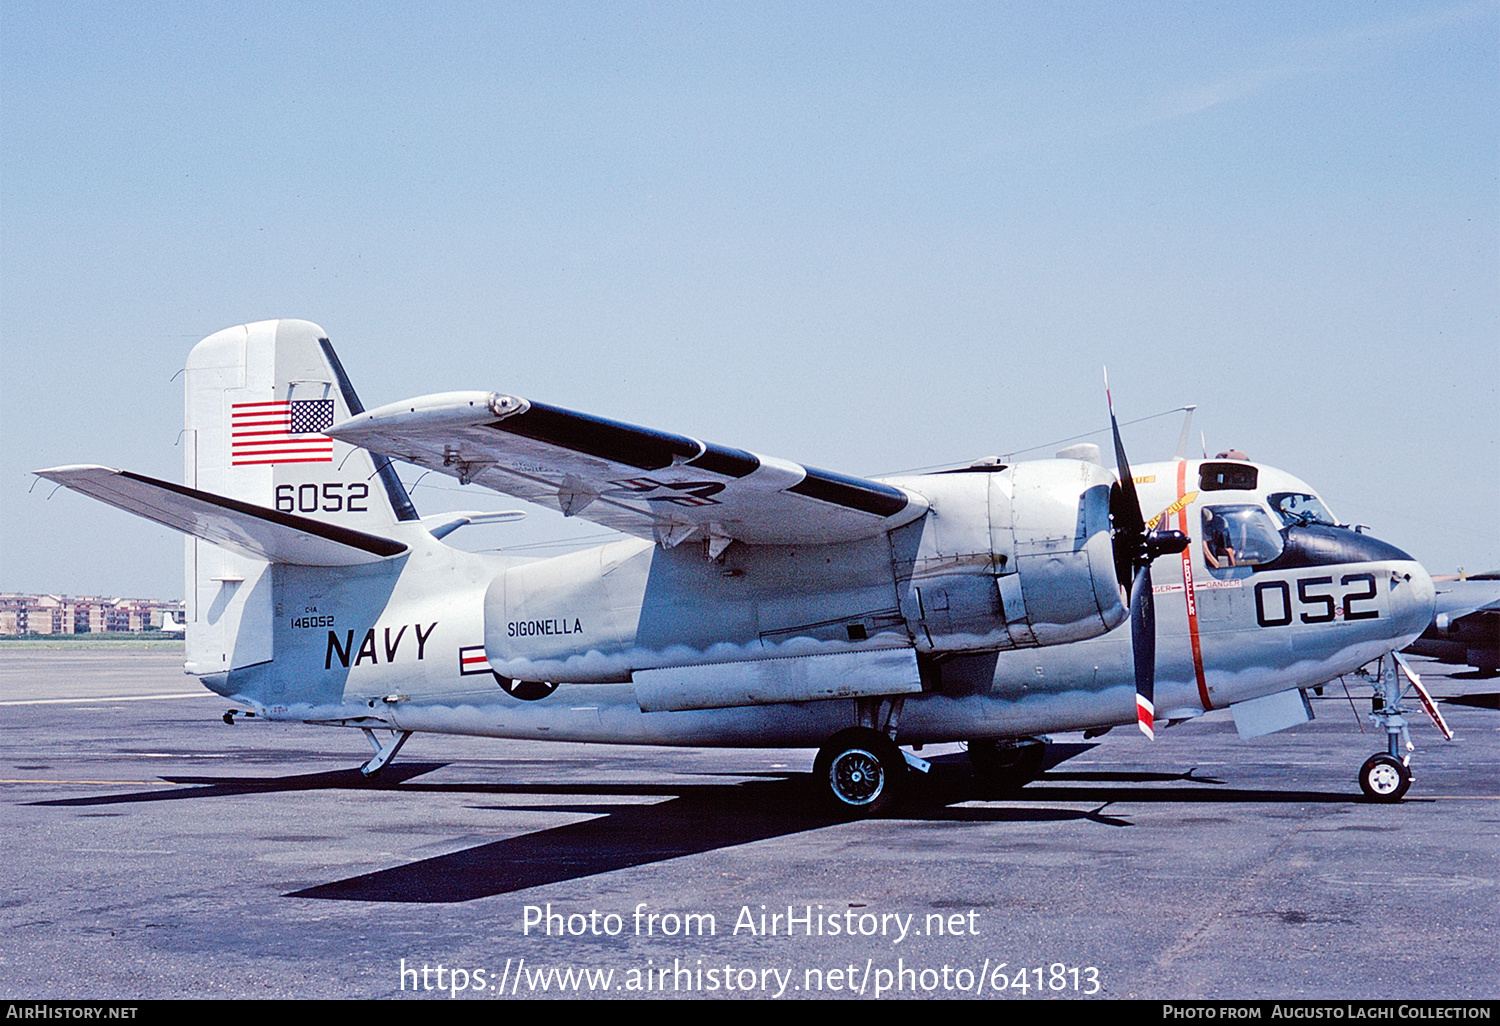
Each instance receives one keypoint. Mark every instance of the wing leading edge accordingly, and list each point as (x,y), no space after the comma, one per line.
(648,483)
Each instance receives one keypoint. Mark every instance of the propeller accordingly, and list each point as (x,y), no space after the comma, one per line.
(1136,548)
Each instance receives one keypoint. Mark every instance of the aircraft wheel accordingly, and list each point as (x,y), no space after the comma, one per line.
(860,772)
(1006,766)
(1384,778)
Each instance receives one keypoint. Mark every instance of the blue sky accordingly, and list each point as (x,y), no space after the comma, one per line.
(864,237)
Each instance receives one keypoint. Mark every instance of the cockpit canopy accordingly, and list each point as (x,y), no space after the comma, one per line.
(1298,509)
(1292,529)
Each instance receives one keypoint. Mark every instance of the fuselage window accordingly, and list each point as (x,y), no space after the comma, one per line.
(1239,536)
(1218,477)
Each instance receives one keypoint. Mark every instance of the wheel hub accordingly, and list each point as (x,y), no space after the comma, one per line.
(856,777)
(1384,779)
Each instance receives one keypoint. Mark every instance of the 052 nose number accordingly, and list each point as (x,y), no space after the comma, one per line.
(1317,600)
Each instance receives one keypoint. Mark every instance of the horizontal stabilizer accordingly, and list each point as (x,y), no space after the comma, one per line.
(240,527)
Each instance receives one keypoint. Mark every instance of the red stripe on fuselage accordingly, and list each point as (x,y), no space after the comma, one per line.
(1189,595)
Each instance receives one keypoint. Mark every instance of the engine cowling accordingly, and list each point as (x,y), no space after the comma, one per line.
(1011,557)
(1005,558)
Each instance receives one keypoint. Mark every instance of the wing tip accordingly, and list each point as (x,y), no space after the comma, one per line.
(73,470)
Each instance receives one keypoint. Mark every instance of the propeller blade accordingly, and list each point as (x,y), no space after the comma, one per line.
(1134,524)
(1136,547)
(1143,643)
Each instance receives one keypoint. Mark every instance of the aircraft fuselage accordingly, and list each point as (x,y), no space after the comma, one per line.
(661,645)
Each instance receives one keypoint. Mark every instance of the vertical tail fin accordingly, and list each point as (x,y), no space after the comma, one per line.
(258,399)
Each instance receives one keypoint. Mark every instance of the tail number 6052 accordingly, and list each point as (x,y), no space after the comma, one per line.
(328,498)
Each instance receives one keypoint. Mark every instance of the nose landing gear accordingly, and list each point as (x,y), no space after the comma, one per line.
(1386,776)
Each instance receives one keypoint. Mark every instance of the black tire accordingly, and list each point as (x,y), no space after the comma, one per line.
(1003,767)
(860,772)
(1383,778)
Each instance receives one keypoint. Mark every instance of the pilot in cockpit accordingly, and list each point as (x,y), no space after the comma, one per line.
(1218,547)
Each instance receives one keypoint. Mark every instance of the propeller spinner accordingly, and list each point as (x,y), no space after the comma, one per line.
(1136,548)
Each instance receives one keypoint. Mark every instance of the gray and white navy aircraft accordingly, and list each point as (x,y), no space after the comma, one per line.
(750,601)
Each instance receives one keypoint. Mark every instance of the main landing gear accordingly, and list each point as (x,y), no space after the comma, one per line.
(861,771)
(1004,767)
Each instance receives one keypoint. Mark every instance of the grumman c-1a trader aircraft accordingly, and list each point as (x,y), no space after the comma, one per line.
(752,601)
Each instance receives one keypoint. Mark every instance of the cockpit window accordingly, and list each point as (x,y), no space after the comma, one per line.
(1239,536)
(1298,509)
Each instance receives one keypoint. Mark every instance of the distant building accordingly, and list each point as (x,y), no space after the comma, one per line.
(83,614)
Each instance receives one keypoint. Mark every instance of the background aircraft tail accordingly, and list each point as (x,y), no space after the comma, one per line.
(258,399)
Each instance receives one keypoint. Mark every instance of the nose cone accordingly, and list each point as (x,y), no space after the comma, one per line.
(1412,597)
(1408,587)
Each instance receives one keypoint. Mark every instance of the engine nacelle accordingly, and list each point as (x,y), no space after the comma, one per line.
(1005,558)
(1009,557)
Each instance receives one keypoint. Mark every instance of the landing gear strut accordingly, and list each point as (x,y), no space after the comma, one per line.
(1386,775)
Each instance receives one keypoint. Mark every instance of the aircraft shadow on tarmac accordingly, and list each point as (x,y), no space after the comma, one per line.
(1480,700)
(694,818)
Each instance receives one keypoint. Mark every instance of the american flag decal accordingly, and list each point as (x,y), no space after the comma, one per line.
(280,432)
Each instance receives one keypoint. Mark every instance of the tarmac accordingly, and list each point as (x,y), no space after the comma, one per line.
(154,852)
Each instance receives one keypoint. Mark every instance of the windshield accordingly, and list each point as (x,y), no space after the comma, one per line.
(1239,536)
(1298,509)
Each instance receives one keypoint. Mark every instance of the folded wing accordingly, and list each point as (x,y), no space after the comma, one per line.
(648,483)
